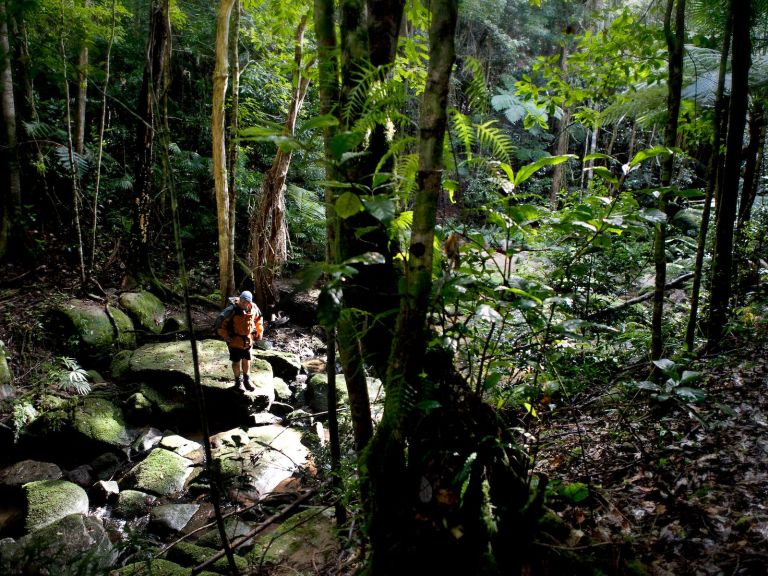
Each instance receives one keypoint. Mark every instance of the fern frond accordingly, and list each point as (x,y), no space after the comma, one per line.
(492,138)
(476,88)
(405,175)
(465,132)
(396,149)
(62,158)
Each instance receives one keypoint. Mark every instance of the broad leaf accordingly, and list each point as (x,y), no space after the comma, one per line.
(324,121)
(348,204)
(665,365)
(690,394)
(530,169)
(329,305)
(380,207)
(650,153)
(345,142)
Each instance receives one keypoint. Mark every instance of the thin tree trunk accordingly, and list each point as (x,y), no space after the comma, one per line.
(82,92)
(713,177)
(73,171)
(220,81)
(11,201)
(102,125)
(268,231)
(675,42)
(754,156)
(726,210)
(561,144)
(234,123)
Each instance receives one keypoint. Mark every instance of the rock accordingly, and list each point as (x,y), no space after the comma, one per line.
(230,439)
(270,455)
(301,542)
(145,309)
(120,364)
(317,392)
(285,365)
(104,492)
(82,476)
(181,446)
(265,418)
(155,567)
(102,422)
(174,323)
(51,500)
(105,465)
(133,503)
(146,440)
(5,372)
(163,473)
(234,528)
(75,544)
(87,330)
(26,471)
(188,554)
(282,390)
(171,517)
(280,409)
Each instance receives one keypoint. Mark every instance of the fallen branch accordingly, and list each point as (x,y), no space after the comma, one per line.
(636,300)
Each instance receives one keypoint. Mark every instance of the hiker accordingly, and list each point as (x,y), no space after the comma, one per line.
(240,324)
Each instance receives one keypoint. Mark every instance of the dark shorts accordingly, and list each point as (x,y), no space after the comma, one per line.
(237,354)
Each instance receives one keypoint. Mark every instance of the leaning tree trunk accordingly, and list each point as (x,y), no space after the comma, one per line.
(268,230)
(446,485)
(675,42)
(218,130)
(11,195)
(157,55)
(714,173)
(726,209)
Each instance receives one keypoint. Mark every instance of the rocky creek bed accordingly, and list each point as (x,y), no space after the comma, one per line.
(103,482)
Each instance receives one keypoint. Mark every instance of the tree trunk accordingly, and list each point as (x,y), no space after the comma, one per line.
(726,209)
(234,127)
(220,81)
(754,156)
(675,41)
(713,177)
(268,230)
(11,201)
(152,85)
(561,142)
(82,93)
(433,472)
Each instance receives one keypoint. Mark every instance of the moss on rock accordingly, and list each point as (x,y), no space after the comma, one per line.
(133,503)
(155,567)
(188,554)
(145,309)
(51,500)
(103,422)
(88,330)
(162,472)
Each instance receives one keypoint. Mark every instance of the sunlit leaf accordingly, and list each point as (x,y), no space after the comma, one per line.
(348,204)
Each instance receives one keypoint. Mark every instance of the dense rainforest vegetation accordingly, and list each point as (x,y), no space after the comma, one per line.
(514,213)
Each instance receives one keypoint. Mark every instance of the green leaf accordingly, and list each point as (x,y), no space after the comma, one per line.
(366,258)
(530,169)
(380,207)
(690,394)
(348,204)
(323,121)
(345,142)
(598,156)
(646,385)
(523,213)
(689,376)
(665,365)
(604,173)
(644,155)
(653,215)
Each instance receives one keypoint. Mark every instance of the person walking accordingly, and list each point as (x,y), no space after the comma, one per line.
(241,324)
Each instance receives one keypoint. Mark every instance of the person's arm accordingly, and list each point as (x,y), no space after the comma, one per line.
(258,326)
(224,329)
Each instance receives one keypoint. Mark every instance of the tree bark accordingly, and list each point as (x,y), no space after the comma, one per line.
(220,81)
(675,41)
(152,85)
(741,59)
(713,182)
(234,128)
(561,143)
(11,201)
(268,230)
(82,93)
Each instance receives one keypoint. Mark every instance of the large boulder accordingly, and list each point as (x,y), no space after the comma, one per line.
(285,365)
(317,392)
(102,423)
(52,500)
(75,544)
(5,372)
(145,309)
(170,518)
(15,476)
(162,472)
(92,331)
(260,458)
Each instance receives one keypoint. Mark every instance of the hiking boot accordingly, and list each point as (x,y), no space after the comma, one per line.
(237,381)
(247,383)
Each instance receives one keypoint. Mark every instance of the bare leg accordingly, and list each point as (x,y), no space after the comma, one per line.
(236,369)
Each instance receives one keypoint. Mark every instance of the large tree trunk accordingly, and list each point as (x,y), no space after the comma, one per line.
(157,58)
(11,195)
(82,93)
(432,473)
(218,117)
(234,127)
(561,142)
(268,230)
(675,42)
(741,59)
(714,173)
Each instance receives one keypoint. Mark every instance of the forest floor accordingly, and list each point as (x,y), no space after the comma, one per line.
(682,487)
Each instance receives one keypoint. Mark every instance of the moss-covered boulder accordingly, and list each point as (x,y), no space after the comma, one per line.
(145,309)
(15,476)
(285,365)
(156,567)
(261,460)
(102,422)
(133,503)
(188,554)
(51,500)
(75,544)
(120,364)
(162,472)
(302,541)
(5,372)
(317,392)
(89,332)
(169,518)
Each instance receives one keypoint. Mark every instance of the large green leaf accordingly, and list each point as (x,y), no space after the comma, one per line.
(348,204)
(323,121)
(530,169)
(345,142)
(380,207)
